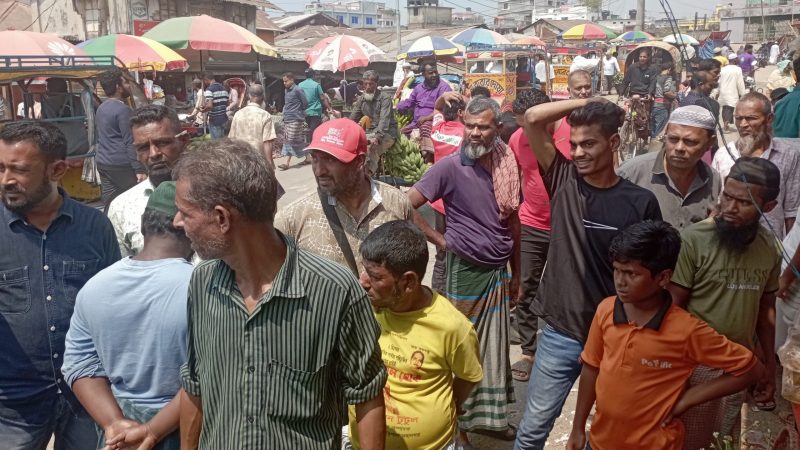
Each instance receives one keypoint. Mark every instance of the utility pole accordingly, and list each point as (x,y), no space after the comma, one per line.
(397,18)
(640,15)
(695,21)
(763,24)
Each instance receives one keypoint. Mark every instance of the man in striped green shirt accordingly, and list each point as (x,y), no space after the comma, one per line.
(279,339)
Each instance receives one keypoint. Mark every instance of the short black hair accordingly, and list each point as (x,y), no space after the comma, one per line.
(399,246)
(665,66)
(450,112)
(158,223)
(110,79)
(508,125)
(796,67)
(654,244)
(707,64)
(145,115)
(50,141)
(606,114)
(645,50)
(288,75)
(528,99)
(429,64)
(480,90)
(778,94)
(697,80)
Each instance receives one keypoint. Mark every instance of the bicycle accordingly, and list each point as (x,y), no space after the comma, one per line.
(635,131)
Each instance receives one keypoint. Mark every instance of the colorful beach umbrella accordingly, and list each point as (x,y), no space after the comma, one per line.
(680,39)
(429,46)
(529,40)
(137,53)
(342,52)
(30,43)
(588,32)
(208,33)
(634,36)
(479,36)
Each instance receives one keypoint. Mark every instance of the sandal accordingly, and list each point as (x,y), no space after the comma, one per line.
(283,166)
(765,406)
(521,370)
(304,163)
(508,435)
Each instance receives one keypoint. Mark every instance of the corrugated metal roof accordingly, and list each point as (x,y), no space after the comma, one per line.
(263,22)
(258,3)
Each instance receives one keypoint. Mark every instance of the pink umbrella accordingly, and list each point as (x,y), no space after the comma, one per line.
(29,43)
(342,52)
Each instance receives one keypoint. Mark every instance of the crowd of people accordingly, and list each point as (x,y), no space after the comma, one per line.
(195,313)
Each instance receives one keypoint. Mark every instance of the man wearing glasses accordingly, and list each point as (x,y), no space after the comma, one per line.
(159,143)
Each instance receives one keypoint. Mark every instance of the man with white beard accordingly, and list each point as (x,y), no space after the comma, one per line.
(382,128)
(480,187)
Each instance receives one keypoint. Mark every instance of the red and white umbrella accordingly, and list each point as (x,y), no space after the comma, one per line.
(342,52)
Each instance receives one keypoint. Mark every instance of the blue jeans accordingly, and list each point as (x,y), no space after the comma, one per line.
(555,370)
(29,425)
(660,116)
(217,132)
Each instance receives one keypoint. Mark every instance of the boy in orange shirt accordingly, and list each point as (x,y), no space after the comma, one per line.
(641,351)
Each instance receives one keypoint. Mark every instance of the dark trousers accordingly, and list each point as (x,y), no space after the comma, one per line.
(114,180)
(533,256)
(313,122)
(439,277)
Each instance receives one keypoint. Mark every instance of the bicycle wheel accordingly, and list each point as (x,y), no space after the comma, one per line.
(627,138)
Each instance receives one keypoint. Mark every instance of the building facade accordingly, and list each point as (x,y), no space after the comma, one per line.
(468,18)
(514,15)
(743,18)
(356,14)
(79,20)
(428,13)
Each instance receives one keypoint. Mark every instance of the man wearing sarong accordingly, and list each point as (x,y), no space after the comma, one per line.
(422,101)
(294,119)
(480,187)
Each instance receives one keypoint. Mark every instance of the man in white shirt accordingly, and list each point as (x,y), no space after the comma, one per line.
(159,143)
(774,53)
(731,88)
(541,73)
(610,68)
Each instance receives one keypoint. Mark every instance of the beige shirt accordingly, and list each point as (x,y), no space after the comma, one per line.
(253,125)
(305,221)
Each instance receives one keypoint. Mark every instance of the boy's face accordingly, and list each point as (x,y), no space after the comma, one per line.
(634,282)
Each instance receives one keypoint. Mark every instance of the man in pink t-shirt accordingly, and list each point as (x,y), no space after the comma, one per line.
(447,134)
(534,215)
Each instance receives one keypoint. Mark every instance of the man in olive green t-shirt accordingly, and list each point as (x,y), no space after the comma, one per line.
(727,275)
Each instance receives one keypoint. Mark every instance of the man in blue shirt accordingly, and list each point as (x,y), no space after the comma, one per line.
(216,104)
(116,159)
(294,116)
(50,245)
(127,339)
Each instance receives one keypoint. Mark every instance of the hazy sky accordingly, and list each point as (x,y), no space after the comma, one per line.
(488,8)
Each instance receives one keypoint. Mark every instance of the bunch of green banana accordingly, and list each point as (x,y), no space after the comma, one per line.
(404,160)
(402,119)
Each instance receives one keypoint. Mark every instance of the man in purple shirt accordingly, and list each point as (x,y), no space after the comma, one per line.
(422,100)
(746,60)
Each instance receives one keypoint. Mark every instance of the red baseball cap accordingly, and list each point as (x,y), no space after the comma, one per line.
(341,138)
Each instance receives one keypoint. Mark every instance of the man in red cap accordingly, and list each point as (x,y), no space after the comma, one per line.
(347,205)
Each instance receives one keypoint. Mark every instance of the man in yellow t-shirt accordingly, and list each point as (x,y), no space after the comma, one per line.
(430,350)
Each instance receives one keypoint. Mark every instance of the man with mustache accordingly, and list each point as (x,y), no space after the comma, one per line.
(727,275)
(589,206)
(422,101)
(754,118)
(347,205)
(50,245)
(382,130)
(686,187)
(480,186)
(158,143)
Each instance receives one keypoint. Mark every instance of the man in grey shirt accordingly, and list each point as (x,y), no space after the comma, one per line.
(382,129)
(686,187)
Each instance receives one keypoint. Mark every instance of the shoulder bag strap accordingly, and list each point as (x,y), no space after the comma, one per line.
(338,232)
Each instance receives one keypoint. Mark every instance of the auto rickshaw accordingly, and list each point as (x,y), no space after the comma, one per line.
(69,102)
(503,69)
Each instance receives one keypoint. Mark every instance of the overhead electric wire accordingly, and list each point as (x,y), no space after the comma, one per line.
(673,23)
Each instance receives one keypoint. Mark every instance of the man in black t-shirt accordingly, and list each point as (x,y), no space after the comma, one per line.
(590,205)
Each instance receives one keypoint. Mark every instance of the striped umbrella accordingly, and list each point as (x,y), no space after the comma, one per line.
(588,32)
(430,46)
(342,52)
(479,36)
(136,52)
(208,33)
(634,36)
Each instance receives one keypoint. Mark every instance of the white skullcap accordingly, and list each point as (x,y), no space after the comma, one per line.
(693,116)
(717,50)
(733,56)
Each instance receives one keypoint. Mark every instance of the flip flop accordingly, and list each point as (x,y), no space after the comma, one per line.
(305,162)
(283,167)
(521,370)
(765,406)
